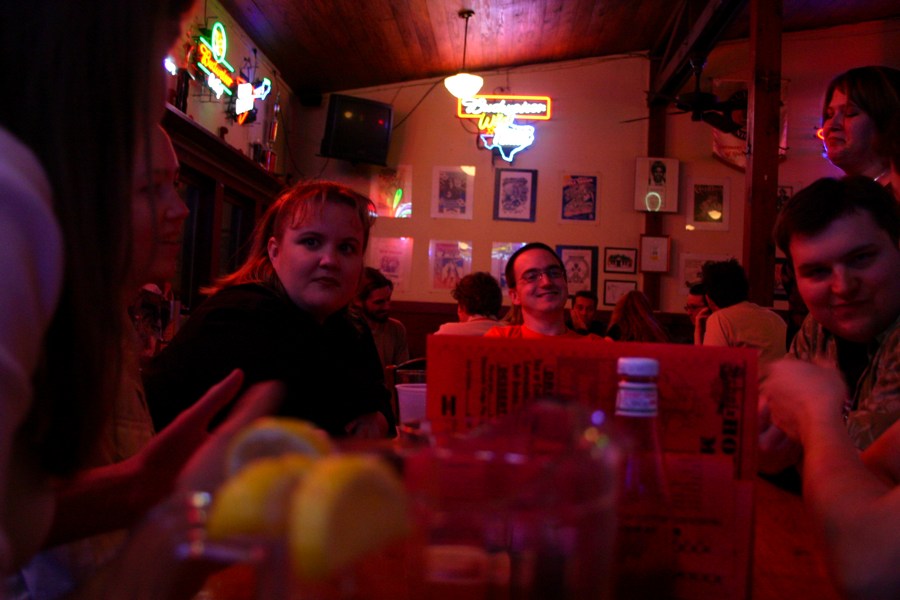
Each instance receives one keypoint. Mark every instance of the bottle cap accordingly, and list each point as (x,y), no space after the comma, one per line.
(638,367)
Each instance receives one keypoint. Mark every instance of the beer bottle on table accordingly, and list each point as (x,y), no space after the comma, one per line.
(645,557)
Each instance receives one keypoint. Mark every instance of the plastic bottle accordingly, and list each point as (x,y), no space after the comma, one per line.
(645,557)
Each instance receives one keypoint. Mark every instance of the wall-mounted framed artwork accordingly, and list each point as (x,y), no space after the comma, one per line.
(581,267)
(656,185)
(613,289)
(450,261)
(500,253)
(709,206)
(655,250)
(620,260)
(453,192)
(391,191)
(393,257)
(515,194)
(579,198)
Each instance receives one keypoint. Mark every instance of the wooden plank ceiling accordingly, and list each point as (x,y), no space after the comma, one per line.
(328,45)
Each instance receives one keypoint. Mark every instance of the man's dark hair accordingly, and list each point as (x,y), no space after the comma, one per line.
(479,294)
(697,289)
(372,280)
(725,282)
(811,210)
(585,294)
(510,271)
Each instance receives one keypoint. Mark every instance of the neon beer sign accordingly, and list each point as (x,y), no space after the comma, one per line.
(497,116)
(211,60)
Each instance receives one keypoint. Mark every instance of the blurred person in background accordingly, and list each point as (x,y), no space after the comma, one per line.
(373,305)
(478,299)
(632,320)
(736,322)
(583,312)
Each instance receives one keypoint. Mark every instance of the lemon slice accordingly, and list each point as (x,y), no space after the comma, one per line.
(276,436)
(255,501)
(347,507)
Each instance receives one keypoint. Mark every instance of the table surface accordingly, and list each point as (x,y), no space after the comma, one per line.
(788,562)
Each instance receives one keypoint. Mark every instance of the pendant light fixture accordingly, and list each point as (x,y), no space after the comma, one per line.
(464,85)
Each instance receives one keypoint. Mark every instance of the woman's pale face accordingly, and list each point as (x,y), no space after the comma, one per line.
(158,213)
(849,136)
(320,261)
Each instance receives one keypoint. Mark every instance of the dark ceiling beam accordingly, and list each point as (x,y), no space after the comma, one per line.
(699,40)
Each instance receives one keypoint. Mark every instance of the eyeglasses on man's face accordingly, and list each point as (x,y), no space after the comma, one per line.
(693,307)
(533,275)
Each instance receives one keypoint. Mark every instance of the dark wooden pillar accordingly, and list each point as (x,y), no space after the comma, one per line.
(653,222)
(761,180)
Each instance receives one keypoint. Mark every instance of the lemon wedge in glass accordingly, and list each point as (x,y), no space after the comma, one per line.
(255,501)
(346,507)
(276,436)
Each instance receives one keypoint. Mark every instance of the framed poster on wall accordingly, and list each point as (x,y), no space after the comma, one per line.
(656,185)
(515,194)
(581,267)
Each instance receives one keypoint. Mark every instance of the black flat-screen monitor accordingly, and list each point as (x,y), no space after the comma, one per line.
(357,130)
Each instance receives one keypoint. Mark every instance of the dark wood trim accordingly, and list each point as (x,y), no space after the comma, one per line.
(208,154)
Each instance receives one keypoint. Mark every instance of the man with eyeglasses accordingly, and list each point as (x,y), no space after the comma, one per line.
(537,285)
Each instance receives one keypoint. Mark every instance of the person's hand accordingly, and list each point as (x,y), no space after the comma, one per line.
(776,451)
(700,324)
(369,426)
(206,468)
(164,456)
(800,394)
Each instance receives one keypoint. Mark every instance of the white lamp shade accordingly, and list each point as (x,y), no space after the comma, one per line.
(463,85)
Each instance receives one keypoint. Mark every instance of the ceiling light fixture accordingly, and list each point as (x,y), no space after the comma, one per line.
(464,85)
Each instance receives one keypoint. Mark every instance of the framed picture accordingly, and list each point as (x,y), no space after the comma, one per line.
(500,253)
(614,289)
(655,253)
(391,191)
(710,205)
(656,185)
(449,262)
(515,194)
(393,257)
(579,198)
(780,292)
(581,267)
(453,192)
(620,260)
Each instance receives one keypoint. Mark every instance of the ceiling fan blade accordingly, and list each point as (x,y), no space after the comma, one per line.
(636,119)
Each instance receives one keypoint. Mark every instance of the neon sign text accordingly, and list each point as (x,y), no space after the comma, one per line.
(211,60)
(535,108)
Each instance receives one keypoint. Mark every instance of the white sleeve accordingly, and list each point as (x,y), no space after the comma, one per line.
(31,265)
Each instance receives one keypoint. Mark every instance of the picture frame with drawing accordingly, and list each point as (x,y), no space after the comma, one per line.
(581,267)
(453,192)
(620,260)
(709,207)
(656,184)
(613,289)
(515,194)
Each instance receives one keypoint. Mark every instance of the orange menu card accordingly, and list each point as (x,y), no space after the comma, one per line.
(708,399)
